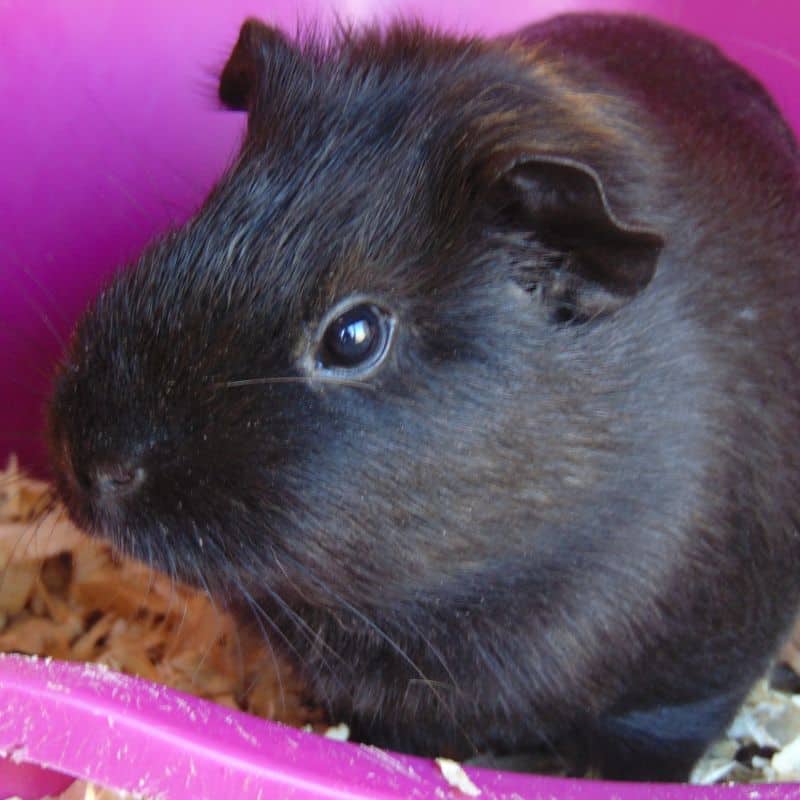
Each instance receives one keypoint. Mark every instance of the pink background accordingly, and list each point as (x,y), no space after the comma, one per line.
(110,133)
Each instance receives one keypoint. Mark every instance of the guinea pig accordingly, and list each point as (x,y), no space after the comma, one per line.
(475,383)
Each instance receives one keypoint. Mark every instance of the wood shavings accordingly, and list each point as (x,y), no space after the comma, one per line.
(786,762)
(454,774)
(81,790)
(21,500)
(761,744)
(339,733)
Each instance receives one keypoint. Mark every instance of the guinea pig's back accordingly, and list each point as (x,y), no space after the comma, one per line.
(710,104)
(723,173)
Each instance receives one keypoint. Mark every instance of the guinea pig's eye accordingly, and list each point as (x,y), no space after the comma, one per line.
(356,339)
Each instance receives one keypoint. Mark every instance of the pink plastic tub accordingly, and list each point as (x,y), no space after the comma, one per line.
(109,134)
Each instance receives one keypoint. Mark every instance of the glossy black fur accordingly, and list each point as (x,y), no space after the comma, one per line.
(565,510)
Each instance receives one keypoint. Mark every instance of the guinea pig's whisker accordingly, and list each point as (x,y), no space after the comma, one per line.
(43,317)
(219,617)
(290,580)
(173,597)
(761,47)
(294,379)
(33,529)
(394,645)
(171,208)
(151,581)
(240,659)
(256,608)
(48,295)
(310,635)
(313,636)
(152,558)
(57,519)
(437,653)
(30,531)
(211,639)
(153,175)
(8,481)
(10,559)
(313,639)
(258,615)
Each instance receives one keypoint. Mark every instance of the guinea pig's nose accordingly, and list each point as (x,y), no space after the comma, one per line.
(113,481)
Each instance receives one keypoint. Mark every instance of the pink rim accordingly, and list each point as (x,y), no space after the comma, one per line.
(131,735)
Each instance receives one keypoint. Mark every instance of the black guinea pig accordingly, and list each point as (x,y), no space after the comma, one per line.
(476,384)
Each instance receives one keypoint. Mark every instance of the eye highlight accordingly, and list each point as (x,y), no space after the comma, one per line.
(355,338)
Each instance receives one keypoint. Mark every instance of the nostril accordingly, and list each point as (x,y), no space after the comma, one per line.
(118,480)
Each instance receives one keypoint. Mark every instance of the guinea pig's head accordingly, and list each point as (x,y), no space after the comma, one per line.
(353,373)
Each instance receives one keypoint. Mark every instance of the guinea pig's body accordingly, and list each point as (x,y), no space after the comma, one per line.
(476,385)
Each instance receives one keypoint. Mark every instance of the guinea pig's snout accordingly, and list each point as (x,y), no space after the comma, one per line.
(92,486)
(111,482)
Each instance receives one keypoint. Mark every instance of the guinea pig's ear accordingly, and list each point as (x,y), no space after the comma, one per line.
(247,69)
(606,262)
